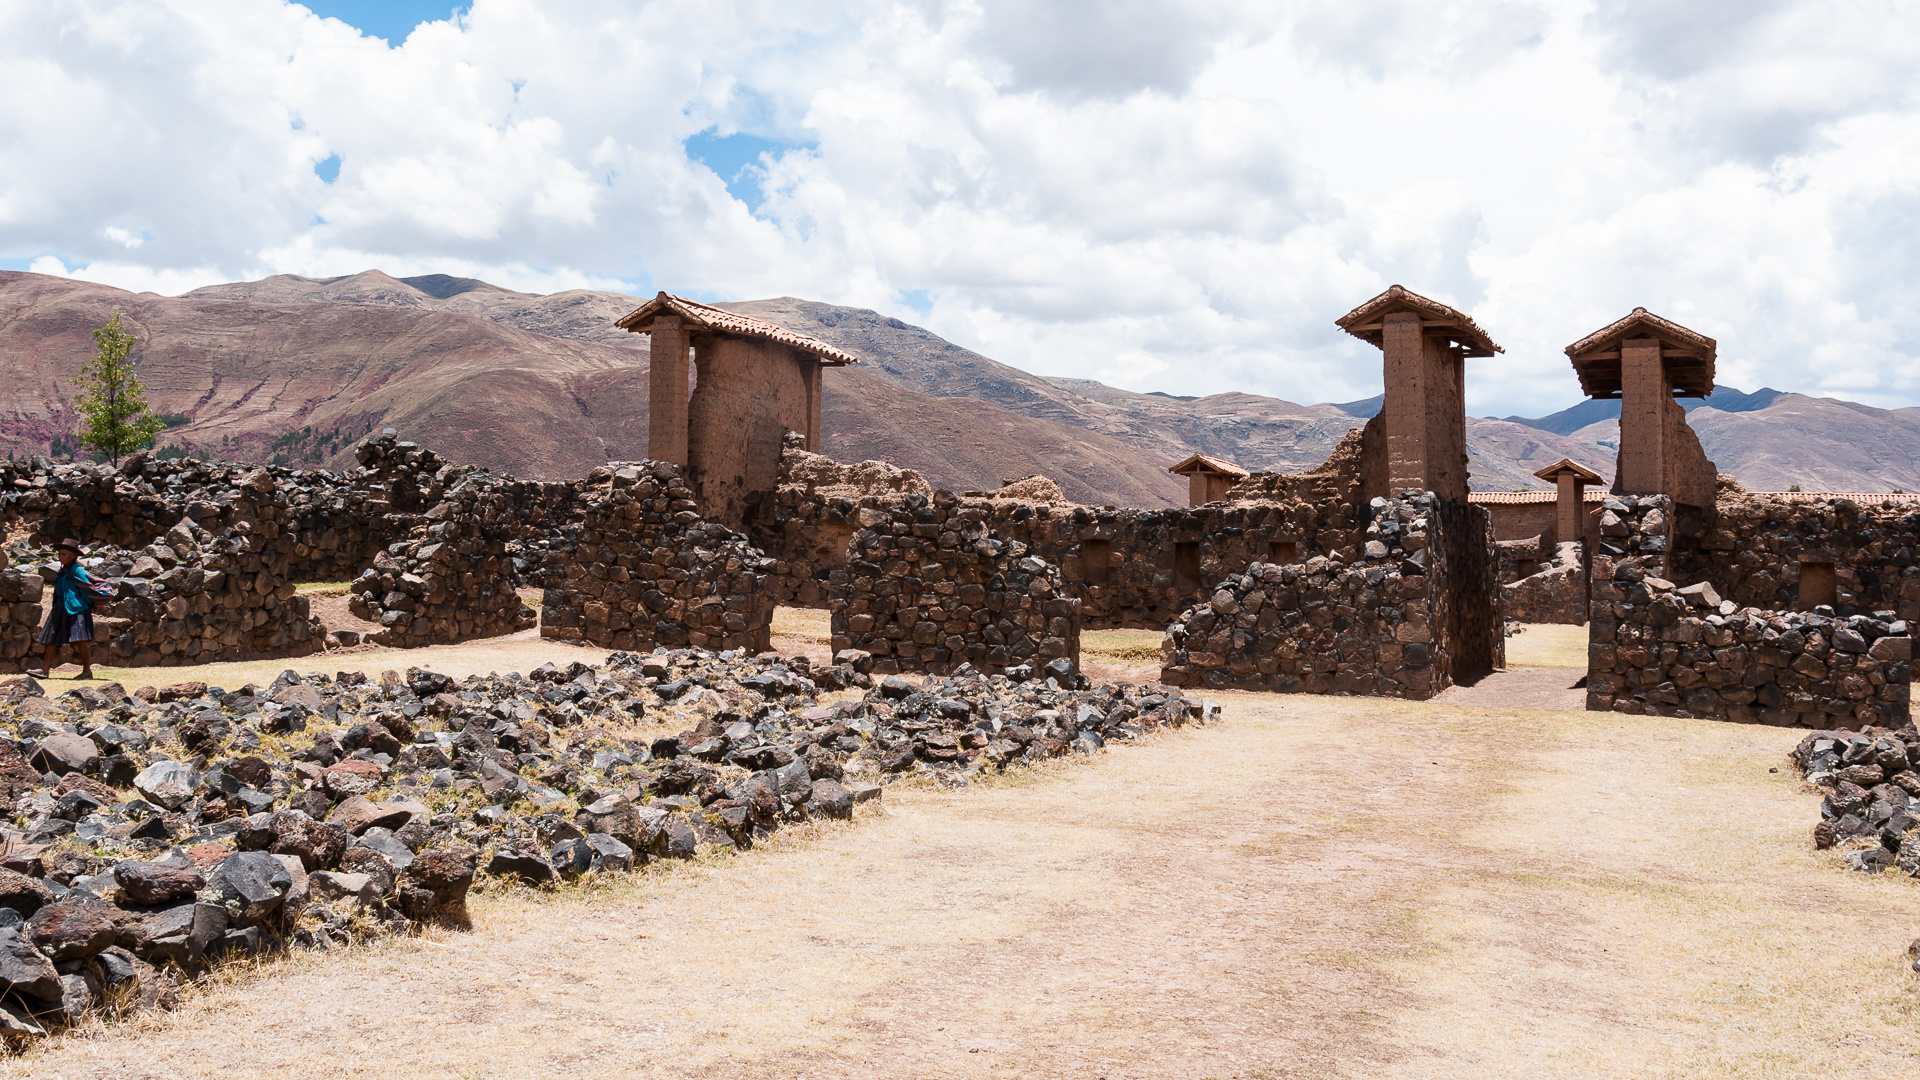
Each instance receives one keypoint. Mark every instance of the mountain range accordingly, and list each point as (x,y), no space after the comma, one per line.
(295,369)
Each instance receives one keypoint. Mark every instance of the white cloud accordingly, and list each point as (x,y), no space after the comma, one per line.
(1160,194)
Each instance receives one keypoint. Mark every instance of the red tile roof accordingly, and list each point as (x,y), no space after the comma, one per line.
(1200,462)
(1363,322)
(705,316)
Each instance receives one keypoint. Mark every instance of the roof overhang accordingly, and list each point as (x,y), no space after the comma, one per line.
(1568,465)
(1201,463)
(1365,322)
(715,320)
(1688,356)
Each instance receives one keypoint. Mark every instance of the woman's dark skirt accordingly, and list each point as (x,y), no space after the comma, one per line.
(63,629)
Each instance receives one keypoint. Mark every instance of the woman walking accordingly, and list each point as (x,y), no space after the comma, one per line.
(71,620)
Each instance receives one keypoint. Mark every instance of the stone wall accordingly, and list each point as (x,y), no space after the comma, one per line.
(453,580)
(646,570)
(21,592)
(1129,568)
(1753,550)
(1655,647)
(1384,624)
(1556,594)
(198,599)
(930,584)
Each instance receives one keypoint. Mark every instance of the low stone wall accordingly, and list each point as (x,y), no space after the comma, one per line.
(1325,626)
(1557,594)
(647,570)
(452,581)
(21,613)
(1655,647)
(202,599)
(929,586)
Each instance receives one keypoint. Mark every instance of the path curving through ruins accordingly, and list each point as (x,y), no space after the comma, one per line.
(1315,887)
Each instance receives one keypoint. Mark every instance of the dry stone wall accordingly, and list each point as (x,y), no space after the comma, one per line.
(646,569)
(453,580)
(1129,568)
(1755,547)
(1386,624)
(929,585)
(1655,647)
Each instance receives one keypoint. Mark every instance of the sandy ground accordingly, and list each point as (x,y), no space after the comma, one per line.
(1315,887)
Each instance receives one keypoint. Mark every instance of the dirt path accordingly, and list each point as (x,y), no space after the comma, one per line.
(1313,888)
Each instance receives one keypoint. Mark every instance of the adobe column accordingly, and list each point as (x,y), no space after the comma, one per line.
(1644,395)
(667,390)
(1572,498)
(1404,412)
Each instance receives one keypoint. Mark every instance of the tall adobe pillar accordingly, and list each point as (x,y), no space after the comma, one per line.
(667,390)
(1424,346)
(756,382)
(1570,478)
(1646,361)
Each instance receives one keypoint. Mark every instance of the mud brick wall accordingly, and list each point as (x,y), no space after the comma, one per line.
(930,584)
(647,570)
(1753,551)
(1376,626)
(1655,647)
(453,580)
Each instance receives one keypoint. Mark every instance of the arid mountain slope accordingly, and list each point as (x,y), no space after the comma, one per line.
(247,375)
(547,386)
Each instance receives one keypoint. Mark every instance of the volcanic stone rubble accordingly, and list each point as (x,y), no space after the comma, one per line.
(159,833)
(1872,781)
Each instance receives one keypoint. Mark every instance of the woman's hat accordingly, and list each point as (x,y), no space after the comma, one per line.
(71,545)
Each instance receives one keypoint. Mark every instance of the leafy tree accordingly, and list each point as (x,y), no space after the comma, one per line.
(112,403)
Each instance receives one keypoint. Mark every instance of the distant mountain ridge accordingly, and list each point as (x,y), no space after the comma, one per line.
(1595,411)
(546,385)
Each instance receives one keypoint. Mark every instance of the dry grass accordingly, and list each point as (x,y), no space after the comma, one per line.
(1123,646)
(516,652)
(322,588)
(1548,645)
(1478,893)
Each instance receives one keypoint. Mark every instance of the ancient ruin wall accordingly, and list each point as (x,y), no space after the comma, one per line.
(453,580)
(930,585)
(1753,551)
(200,599)
(1655,647)
(647,570)
(1129,568)
(1382,625)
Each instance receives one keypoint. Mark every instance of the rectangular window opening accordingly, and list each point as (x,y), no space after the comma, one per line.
(1096,557)
(1186,564)
(1282,552)
(1817,585)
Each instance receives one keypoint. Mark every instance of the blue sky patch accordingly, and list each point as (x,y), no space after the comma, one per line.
(329,170)
(733,158)
(389,19)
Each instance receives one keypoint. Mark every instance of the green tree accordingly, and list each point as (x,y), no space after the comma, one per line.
(112,403)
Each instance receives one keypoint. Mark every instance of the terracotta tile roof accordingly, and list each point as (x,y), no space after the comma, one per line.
(1600,375)
(707,317)
(1509,498)
(1855,496)
(1553,471)
(1201,462)
(1363,322)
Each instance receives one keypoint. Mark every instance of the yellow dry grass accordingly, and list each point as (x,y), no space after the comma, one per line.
(1548,645)
(516,652)
(1123,646)
(1316,887)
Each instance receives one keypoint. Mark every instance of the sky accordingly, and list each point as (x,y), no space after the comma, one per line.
(1166,196)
